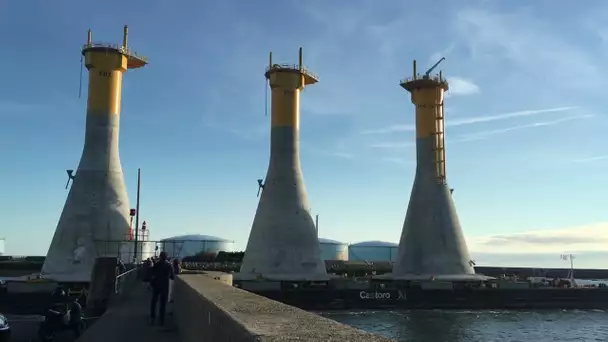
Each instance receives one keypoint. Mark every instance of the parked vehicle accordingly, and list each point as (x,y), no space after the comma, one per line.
(5,329)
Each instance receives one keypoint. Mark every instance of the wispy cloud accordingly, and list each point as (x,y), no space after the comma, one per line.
(399,161)
(536,47)
(389,145)
(255,132)
(479,119)
(462,86)
(343,155)
(589,159)
(484,134)
(14,108)
(592,259)
(328,152)
(472,120)
(592,237)
(489,133)
(444,53)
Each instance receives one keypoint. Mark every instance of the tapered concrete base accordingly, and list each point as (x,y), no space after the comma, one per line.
(95,218)
(432,242)
(283,243)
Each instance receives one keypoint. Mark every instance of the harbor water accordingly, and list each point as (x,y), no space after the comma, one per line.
(480,325)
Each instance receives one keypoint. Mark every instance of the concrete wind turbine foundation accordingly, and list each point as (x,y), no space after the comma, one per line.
(95,218)
(283,242)
(432,244)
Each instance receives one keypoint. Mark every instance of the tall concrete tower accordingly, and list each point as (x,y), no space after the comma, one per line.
(95,218)
(283,242)
(432,243)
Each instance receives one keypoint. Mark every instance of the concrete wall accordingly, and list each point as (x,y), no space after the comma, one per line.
(210,310)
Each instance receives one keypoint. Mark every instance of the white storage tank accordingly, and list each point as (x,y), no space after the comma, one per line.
(333,250)
(373,251)
(189,245)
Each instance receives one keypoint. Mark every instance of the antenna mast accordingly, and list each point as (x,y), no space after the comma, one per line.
(89,42)
(80,80)
(267,85)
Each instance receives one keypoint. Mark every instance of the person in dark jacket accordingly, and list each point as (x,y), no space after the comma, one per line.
(162,273)
(146,273)
(176,270)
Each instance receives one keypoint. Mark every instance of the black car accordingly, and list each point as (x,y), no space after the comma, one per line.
(5,330)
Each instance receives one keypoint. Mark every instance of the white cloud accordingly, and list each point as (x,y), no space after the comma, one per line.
(343,155)
(471,120)
(444,53)
(592,237)
(18,108)
(489,133)
(589,159)
(335,151)
(390,145)
(485,134)
(533,45)
(398,161)
(505,116)
(253,132)
(462,86)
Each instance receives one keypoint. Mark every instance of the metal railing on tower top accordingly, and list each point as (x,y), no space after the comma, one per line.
(126,51)
(435,78)
(292,67)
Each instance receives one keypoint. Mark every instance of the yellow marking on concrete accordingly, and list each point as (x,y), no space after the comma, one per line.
(428,109)
(106,68)
(285,98)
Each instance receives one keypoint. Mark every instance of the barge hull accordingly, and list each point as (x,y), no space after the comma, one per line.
(327,299)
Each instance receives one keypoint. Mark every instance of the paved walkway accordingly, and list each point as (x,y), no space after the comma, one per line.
(129,321)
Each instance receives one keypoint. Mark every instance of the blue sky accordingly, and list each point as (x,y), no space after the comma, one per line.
(526,116)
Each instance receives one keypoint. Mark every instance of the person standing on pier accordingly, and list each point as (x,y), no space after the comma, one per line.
(176,270)
(162,273)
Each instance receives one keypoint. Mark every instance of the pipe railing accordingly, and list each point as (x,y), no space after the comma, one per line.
(124,279)
(294,67)
(418,77)
(126,51)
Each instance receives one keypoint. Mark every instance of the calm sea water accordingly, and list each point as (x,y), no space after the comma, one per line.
(480,326)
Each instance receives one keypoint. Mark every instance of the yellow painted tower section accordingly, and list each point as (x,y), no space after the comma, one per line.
(427,94)
(105,80)
(106,64)
(429,119)
(286,81)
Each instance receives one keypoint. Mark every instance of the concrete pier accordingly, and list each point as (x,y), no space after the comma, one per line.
(95,219)
(207,308)
(283,243)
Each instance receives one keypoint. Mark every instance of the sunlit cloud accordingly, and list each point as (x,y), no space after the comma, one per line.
(462,86)
(592,237)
